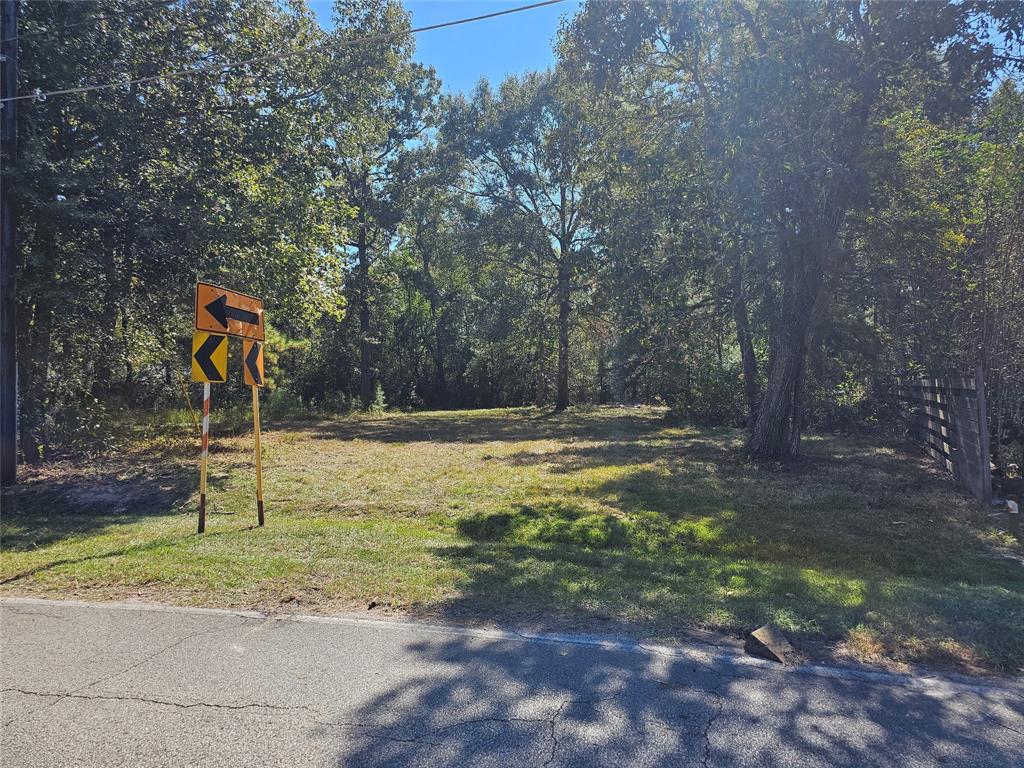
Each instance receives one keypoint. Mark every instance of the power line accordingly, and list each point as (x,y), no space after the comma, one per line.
(93,19)
(214,67)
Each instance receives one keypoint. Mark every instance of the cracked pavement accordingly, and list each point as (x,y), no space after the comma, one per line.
(142,685)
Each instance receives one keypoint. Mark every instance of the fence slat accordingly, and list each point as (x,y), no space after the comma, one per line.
(985,459)
(951,421)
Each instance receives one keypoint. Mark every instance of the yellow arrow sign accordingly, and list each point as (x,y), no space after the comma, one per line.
(219,310)
(209,357)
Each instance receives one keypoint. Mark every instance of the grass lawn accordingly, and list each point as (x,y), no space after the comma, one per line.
(596,518)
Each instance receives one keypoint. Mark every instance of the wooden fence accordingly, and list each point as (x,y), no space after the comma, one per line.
(950,419)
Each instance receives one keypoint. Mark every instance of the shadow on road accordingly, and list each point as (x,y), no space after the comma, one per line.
(500,703)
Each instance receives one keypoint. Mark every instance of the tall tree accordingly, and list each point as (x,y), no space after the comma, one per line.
(436,236)
(131,193)
(525,150)
(391,108)
(795,91)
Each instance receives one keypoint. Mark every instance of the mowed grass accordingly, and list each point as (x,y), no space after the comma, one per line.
(606,517)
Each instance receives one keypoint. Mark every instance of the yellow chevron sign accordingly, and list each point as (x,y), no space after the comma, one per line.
(252,362)
(209,357)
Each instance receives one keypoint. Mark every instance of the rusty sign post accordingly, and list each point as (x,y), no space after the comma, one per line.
(221,313)
(252,371)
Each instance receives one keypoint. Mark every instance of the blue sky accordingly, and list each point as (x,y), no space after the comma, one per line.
(492,48)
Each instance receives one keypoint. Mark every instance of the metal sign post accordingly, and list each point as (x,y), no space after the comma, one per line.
(252,372)
(209,363)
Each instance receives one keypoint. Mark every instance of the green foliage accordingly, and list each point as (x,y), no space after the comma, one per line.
(784,109)
(713,396)
(281,405)
(126,196)
(550,523)
(378,404)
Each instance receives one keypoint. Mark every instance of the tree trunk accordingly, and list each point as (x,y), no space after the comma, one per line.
(772,436)
(365,350)
(776,430)
(604,390)
(540,372)
(436,346)
(746,344)
(33,373)
(564,310)
(103,372)
(129,369)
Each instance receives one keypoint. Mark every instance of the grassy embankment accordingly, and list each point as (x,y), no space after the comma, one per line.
(603,518)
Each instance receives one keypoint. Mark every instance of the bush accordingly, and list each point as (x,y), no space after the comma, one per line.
(714,398)
(378,404)
(281,404)
(332,404)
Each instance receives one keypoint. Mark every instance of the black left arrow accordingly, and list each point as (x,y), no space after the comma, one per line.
(205,352)
(251,362)
(221,311)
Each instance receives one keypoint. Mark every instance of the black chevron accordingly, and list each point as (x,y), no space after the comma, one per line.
(204,354)
(251,362)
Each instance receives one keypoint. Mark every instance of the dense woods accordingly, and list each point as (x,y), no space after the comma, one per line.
(759,213)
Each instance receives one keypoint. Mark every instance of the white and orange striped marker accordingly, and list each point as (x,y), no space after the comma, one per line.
(203,460)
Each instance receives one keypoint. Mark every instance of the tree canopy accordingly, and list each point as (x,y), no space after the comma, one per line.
(759,213)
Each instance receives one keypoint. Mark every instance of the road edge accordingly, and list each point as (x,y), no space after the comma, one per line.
(698,653)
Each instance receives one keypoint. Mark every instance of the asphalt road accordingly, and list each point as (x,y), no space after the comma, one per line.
(95,685)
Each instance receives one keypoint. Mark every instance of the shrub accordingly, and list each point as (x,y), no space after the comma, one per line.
(378,404)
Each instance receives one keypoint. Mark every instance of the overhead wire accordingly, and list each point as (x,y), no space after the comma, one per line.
(220,67)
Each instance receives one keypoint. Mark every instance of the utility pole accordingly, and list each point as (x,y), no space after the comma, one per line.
(8,149)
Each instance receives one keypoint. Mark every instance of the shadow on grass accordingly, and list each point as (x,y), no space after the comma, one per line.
(47,510)
(502,702)
(846,505)
(552,586)
(682,533)
(480,427)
